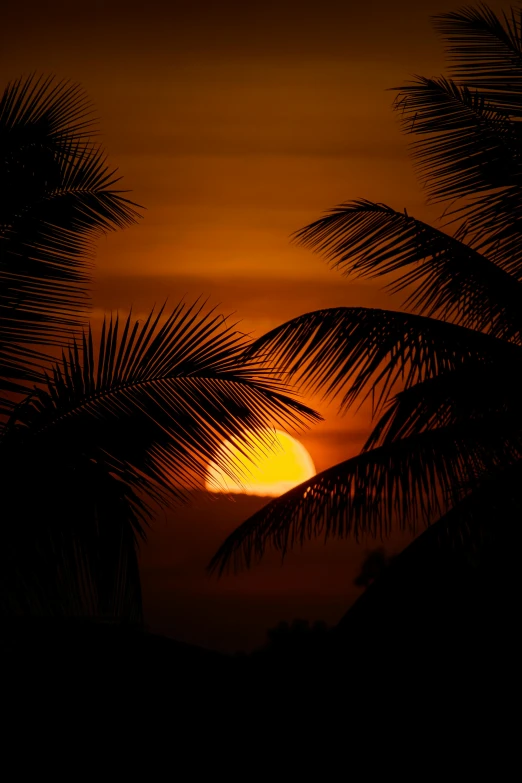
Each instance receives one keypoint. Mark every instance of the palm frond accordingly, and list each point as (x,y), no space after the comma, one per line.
(362,351)
(61,106)
(470,153)
(485,52)
(56,195)
(400,485)
(117,429)
(15,375)
(452,436)
(453,567)
(468,146)
(495,225)
(158,399)
(473,392)
(452,281)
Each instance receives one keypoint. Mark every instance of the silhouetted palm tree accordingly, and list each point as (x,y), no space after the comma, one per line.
(56,195)
(107,433)
(444,377)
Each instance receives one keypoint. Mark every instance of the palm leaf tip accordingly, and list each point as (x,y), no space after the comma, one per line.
(59,108)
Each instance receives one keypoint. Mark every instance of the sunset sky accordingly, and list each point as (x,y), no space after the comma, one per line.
(234,125)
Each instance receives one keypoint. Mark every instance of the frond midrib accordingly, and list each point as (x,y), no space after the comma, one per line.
(126,385)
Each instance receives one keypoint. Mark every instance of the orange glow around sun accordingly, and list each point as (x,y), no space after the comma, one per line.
(273,472)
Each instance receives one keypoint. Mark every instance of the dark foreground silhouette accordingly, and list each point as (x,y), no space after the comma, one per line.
(432,645)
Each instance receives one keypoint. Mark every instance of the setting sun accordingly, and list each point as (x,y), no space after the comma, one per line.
(276,470)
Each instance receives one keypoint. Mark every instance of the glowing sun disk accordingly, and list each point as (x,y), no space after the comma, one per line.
(273,472)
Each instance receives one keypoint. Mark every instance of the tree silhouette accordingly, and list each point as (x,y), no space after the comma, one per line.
(56,195)
(443,376)
(373,566)
(92,442)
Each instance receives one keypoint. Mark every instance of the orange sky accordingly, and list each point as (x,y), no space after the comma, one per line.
(236,124)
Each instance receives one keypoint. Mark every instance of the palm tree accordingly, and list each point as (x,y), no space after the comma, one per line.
(57,194)
(91,443)
(444,373)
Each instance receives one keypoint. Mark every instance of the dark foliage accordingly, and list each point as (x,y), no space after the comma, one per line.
(443,375)
(92,442)
(57,194)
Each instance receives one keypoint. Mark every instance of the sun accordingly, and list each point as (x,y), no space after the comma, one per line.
(278,468)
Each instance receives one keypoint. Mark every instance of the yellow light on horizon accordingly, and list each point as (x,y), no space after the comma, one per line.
(274,471)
